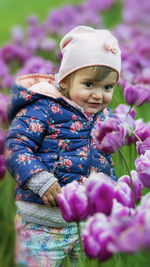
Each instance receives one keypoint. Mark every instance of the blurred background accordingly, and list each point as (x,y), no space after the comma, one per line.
(15,12)
(29,43)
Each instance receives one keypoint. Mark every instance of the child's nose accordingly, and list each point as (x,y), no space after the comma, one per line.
(98,94)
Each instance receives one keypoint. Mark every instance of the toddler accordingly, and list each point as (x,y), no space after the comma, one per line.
(49,143)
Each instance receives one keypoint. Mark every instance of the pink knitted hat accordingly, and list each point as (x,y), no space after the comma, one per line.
(85,46)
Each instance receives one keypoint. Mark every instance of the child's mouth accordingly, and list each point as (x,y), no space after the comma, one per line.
(94,105)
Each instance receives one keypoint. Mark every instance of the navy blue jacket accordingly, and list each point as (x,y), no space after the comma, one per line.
(48,132)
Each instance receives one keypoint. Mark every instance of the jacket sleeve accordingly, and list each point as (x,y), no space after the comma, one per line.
(24,139)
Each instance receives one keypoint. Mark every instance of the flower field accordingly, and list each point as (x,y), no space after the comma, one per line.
(117,227)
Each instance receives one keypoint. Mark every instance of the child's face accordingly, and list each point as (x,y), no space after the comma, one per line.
(91,95)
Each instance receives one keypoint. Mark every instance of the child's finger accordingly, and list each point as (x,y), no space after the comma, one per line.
(46,202)
(51,200)
(58,189)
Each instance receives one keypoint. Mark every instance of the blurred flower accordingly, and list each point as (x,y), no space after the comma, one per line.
(127,235)
(109,135)
(143,146)
(4,72)
(4,99)
(17,35)
(2,139)
(2,167)
(119,210)
(145,202)
(136,15)
(124,109)
(96,236)
(137,185)
(47,44)
(142,165)
(36,65)
(73,202)
(100,192)
(123,194)
(99,5)
(136,94)
(127,122)
(32,20)
(60,21)
(142,130)
(144,76)
(12,52)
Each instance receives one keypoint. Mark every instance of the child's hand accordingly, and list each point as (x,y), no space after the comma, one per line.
(50,196)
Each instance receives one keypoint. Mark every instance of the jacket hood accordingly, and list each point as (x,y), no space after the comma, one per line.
(31,87)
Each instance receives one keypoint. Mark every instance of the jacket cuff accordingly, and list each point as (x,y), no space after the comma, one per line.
(46,186)
(40,181)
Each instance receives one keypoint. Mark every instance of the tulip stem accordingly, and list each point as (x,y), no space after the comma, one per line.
(129,110)
(136,136)
(80,240)
(131,182)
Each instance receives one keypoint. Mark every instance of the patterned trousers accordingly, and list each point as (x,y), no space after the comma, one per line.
(42,246)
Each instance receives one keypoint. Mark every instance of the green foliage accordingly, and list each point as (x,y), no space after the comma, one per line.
(118,260)
(7,213)
(113,16)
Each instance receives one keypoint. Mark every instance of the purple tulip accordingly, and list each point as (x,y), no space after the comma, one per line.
(2,167)
(142,164)
(73,202)
(119,210)
(124,109)
(100,192)
(123,194)
(143,146)
(127,122)
(134,94)
(96,236)
(142,130)
(137,185)
(145,202)
(109,135)
(127,235)
(132,233)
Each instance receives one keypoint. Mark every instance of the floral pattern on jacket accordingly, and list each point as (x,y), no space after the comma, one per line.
(50,134)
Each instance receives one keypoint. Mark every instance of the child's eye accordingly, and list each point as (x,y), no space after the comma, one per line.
(108,87)
(88,84)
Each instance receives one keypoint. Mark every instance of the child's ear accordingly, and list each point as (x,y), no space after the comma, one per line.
(63,84)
